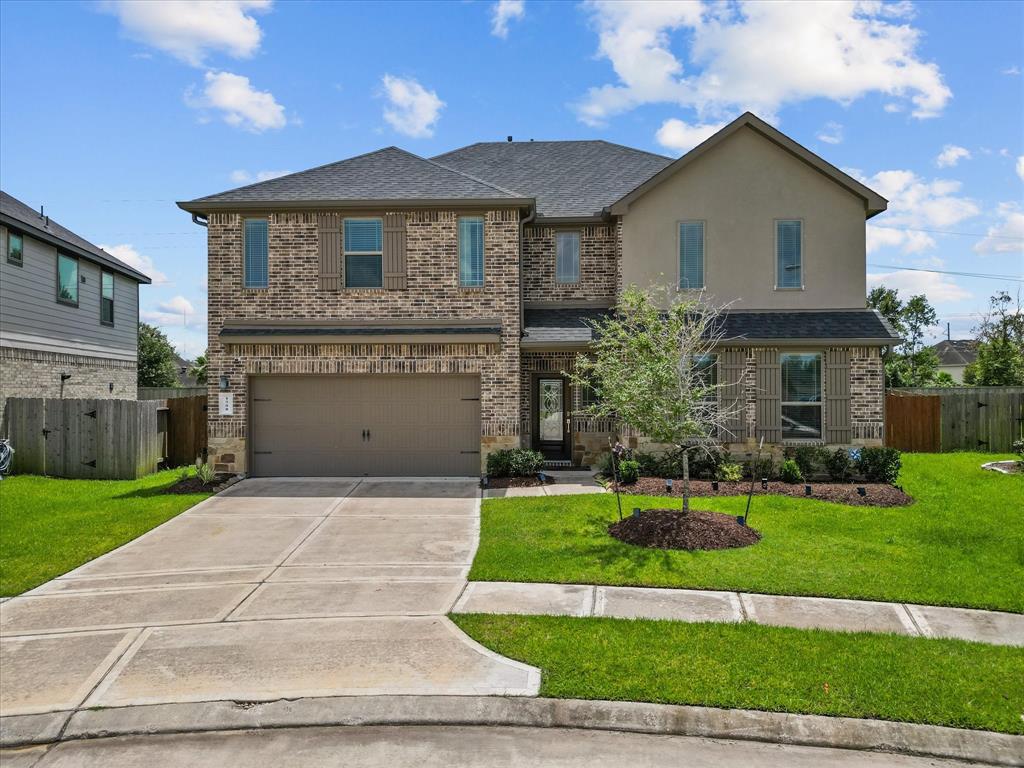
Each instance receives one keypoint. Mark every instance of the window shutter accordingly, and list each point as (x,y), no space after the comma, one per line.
(731,363)
(330,252)
(769,400)
(837,397)
(394,251)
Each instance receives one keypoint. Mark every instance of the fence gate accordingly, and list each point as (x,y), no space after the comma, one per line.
(186,430)
(912,422)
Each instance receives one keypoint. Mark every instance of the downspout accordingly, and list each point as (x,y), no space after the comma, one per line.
(202,221)
(522,308)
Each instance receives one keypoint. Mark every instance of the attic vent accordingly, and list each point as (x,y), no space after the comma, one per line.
(508,139)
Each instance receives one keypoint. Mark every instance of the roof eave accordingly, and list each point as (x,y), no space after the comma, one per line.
(212,206)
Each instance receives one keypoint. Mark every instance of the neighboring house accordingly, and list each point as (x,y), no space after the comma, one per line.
(69,311)
(394,315)
(955,355)
(181,369)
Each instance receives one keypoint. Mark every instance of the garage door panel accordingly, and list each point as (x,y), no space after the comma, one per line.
(314,425)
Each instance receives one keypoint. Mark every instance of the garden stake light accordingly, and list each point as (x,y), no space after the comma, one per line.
(668,486)
(714,485)
(807,490)
(861,490)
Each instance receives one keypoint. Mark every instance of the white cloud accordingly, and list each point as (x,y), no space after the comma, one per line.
(179,304)
(191,29)
(1006,235)
(680,137)
(951,154)
(832,133)
(757,55)
(1012,70)
(938,288)
(240,105)
(412,110)
(127,253)
(503,12)
(243,176)
(1020,167)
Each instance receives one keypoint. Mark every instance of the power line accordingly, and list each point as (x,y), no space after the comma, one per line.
(948,232)
(979,275)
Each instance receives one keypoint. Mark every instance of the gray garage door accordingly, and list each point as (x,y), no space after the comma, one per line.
(330,426)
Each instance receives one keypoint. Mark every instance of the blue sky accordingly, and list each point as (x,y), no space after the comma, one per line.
(114,110)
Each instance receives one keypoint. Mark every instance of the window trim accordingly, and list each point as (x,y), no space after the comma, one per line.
(245,276)
(579,256)
(803,261)
(78,279)
(679,254)
(21,257)
(483,252)
(346,253)
(820,404)
(113,288)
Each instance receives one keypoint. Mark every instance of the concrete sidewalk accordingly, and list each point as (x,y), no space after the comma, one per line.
(992,627)
(567,482)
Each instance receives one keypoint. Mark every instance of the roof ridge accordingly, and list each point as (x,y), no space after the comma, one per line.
(486,183)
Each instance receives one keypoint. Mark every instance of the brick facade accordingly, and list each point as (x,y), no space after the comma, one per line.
(600,247)
(32,373)
(432,292)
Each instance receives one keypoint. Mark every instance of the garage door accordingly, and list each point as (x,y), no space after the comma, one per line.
(330,426)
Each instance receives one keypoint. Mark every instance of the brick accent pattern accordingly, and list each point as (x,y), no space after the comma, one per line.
(432,291)
(600,247)
(33,373)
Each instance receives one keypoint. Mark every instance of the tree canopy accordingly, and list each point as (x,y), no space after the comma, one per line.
(156,359)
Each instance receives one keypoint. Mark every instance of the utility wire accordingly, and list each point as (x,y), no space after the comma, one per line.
(980,275)
(948,232)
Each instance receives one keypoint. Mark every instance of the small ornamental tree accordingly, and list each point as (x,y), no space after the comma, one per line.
(651,367)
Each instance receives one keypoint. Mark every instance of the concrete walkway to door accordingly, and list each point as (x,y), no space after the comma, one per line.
(274,589)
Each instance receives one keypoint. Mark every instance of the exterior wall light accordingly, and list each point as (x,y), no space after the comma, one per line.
(224,381)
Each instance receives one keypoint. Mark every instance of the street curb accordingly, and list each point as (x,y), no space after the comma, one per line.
(656,719)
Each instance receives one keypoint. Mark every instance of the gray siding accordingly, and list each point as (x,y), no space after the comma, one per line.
(31,318)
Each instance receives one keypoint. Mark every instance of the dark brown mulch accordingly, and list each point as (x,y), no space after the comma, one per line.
(518,482)
(671,529)
(877,494)
(195,485)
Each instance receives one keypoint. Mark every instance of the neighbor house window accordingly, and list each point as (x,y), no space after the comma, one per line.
(567,257)
(364,253)
(67,279)
(471,251)
(257,272)
(789,254)
(15,249)
(691,254)
(107,297)
(801,396)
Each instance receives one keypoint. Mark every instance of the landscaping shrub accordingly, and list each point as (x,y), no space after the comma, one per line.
(879,465)
(808,458)
(763,468)
(838,465)
(650,464)
(731,472)
(1018,448)
(790,472)
(514,462)
(629,471)
(704,464)
(604,464)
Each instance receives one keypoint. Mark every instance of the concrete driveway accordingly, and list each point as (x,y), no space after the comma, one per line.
(274,589)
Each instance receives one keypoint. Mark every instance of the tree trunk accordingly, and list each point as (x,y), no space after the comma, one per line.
(686,481)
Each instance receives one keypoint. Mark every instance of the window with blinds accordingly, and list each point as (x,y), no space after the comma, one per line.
(801,395)
(789,254)
(363,246)
(107,297)
(567,257)
(471,251)
(691,254)
(256,272)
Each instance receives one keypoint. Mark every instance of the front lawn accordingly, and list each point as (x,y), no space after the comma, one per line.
(49,526)
(749,666)
(961,543)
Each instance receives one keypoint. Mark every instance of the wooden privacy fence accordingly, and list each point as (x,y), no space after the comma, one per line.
(954,418)
(103,438)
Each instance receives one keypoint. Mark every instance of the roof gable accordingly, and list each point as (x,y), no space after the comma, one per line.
(873,202)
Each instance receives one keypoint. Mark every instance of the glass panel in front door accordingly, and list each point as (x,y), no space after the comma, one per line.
(550,410)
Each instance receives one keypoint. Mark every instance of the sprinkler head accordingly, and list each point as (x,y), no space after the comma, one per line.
(861,490)
(807,490)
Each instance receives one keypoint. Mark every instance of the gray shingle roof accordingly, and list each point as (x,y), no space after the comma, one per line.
(956,351)
(389,174)
(567,326)
(48,230)
(568,178)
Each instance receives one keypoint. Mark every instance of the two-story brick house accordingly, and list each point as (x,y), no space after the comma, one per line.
(396,315)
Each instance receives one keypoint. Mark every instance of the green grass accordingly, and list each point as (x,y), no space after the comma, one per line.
(49,526)
(961,543)
(749,666)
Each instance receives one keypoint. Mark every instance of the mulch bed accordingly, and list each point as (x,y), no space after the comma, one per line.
(518,482)
(195,485)
(671,529)
(877,494)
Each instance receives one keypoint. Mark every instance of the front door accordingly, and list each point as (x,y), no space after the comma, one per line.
(551,419)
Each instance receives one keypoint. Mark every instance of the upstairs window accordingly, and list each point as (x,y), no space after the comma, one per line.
(789,254)
(256,254)
(801,396)
(471,251)
(107,297)
(567,257)
(67,279)
(691,255)
(15,249)
(364,253)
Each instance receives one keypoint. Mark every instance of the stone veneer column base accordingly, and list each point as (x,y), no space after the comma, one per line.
(228,454)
